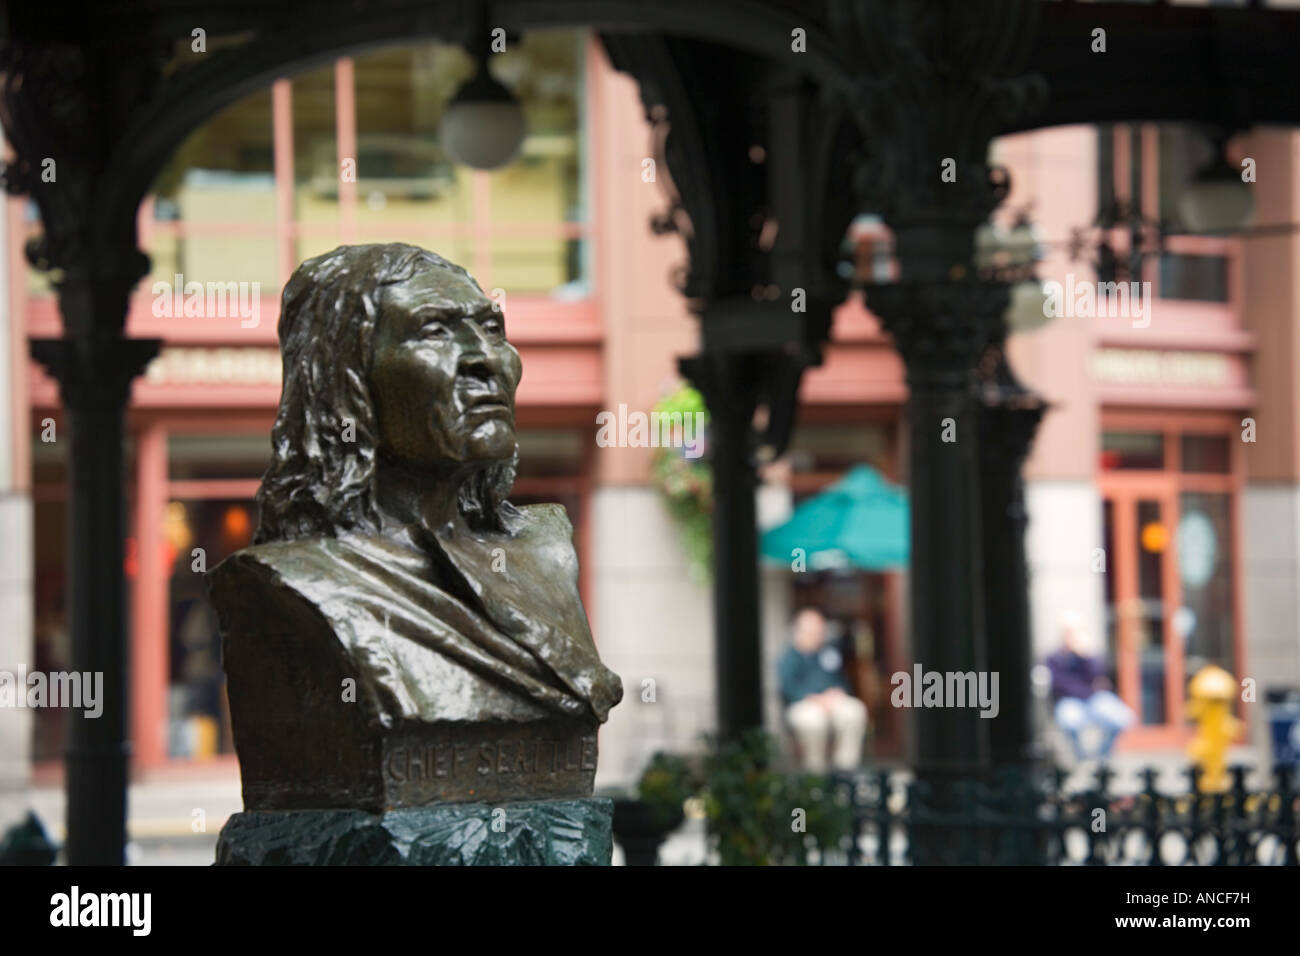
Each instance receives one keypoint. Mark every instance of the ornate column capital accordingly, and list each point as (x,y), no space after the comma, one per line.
(64,107)
(99,380)
(1011,413)
(937,79)
(940,328)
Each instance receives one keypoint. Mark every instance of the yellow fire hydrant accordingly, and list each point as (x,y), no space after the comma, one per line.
(1210,698)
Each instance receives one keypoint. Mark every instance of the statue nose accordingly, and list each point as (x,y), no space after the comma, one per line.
(476,363)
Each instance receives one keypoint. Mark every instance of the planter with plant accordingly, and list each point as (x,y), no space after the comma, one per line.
(643,821)
(758,816)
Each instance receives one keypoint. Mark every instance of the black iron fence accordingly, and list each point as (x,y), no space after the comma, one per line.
(1030,817)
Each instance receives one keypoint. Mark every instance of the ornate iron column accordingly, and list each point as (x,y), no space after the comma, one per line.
(751,152)
(728,384)
(1008,420)
(943,77)
(64,107)
(94,383)
(941,329)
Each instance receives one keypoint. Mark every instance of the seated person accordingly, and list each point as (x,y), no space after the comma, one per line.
(817,698)
(1082,695)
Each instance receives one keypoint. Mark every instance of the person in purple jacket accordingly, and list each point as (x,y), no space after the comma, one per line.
(1082,693)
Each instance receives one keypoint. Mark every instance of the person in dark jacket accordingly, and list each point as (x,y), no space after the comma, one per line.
(1082,693)
(819,704)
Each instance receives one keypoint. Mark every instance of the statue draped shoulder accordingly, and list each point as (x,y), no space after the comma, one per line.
(481,628)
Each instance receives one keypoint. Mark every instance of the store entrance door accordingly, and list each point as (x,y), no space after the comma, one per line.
(1142,589)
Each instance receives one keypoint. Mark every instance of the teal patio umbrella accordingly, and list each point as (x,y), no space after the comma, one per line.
(861,522)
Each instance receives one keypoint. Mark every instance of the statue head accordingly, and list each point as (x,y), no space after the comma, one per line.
(393,358)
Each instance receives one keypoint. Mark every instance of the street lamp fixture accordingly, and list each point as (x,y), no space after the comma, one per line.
(1217,199)
(483,126)
(1011,256)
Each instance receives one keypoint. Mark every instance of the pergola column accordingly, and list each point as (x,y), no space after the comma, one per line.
(66,101)
(727,385)
(941,328)
(94,375)
(1008,420)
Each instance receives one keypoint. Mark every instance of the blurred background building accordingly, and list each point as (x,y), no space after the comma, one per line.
(1140,461)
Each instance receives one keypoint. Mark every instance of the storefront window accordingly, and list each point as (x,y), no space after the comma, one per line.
(317,165)
(1204,454)
(198,713)
(405,180)
(201,457)
(210,515)
(1204,622)
(1132,451)
(220,179)
(520,228)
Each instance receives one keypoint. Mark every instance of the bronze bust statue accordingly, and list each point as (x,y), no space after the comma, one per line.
(399,634)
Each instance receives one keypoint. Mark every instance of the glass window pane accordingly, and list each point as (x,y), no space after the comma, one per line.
(545,71)
(404,177)
(316,162)
(197,457)
(1205,621)
(1198,278)
(1205,454)
(1108,591)
(545,186)
(222,176)
(1132,450)
(550,452)
(198,723)
(552,266)
(1152,546)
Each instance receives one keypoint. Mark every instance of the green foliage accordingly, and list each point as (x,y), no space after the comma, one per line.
(686,485)
(752,808)
(666,784)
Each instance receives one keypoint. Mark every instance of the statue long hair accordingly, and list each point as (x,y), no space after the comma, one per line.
(319,483)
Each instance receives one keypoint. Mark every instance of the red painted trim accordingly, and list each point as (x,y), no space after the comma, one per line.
(149,639)
(213,488)
(345,105)
(282,147)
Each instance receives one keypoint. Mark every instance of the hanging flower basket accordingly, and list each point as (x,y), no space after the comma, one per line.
(686,485)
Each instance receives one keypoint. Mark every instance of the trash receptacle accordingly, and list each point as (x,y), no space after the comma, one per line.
(1284,723)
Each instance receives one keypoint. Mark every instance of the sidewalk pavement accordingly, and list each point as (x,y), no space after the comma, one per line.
(171,819)
(166,830)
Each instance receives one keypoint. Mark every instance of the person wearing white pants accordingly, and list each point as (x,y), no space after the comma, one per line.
(819,707)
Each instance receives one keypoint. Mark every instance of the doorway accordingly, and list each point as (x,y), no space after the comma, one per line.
(1169,569)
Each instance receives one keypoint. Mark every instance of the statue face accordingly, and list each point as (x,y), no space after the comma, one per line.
(442,375)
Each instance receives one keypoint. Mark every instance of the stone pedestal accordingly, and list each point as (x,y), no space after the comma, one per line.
(542,833)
